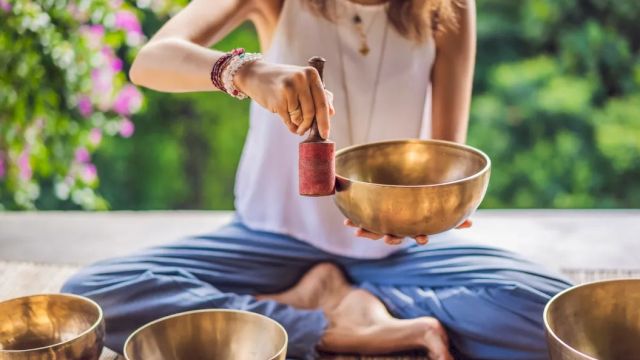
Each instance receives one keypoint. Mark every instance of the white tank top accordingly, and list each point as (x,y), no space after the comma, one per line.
(386,97)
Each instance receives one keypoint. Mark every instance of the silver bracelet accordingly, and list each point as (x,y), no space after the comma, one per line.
(232,68)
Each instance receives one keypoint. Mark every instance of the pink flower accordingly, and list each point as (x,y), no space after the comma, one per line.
(94,34)
(24,166)
(82,155)
(116,64)
(126,128)
(110,57)
(89,173)
(84,106)
(4,5)
(95,136)
(102,81)
(2,167)
(128,21)
(128,100)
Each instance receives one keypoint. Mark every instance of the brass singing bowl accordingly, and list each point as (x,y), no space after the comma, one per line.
(209,334)
(51,326)
(410,187)
(599,320)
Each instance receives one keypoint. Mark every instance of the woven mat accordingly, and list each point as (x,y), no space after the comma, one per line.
(19,278)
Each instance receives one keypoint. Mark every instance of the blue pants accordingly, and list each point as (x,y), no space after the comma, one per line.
(489,300)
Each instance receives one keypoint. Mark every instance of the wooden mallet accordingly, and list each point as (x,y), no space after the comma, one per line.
(316,161)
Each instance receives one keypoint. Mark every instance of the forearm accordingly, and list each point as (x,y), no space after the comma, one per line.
(178,58)
(452,78)
(174,65)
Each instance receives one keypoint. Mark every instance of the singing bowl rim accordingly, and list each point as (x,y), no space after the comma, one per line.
(90,330)
(482,154)
(547,309)
(243,312)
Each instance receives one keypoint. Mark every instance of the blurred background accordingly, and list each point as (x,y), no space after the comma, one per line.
(556,106)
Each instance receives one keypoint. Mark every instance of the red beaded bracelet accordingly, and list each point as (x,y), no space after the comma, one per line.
(219,65)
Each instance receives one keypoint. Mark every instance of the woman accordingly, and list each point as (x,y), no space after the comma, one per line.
(397,69)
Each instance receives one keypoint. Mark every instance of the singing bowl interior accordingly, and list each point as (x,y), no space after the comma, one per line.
(599,320)
(410,187)
(60,326)
(209,334)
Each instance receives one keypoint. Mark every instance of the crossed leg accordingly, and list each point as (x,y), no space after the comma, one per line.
(358,321)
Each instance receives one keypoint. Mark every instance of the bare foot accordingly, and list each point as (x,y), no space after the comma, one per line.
(358,321)
(361,324)
(322,287)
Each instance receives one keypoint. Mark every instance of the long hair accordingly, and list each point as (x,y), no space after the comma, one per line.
(416,20)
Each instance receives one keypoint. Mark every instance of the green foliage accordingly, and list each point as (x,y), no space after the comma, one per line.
(61,91)
(560,117)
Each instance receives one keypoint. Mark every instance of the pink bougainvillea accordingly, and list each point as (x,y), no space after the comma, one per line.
(126,128)
(24,165)
(2,166)
(5,6)
(89,173)
(82,155)
(128,21)
(92,40)
(93,34)
(84,106)
(128,101)
(95,136)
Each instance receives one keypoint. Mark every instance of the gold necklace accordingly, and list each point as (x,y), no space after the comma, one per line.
(362,33)
(345,88)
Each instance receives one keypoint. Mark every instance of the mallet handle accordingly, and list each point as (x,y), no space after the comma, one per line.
(316,62)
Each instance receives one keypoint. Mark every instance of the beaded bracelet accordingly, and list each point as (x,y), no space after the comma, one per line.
(232,68)
(220,65)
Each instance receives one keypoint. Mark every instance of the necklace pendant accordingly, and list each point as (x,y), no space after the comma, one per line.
(364,49)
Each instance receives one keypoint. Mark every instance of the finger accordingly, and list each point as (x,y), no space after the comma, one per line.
(348,222)
(284,115)
(293,107)
(307,105)
(392,240)
(367,234)
(332,110)
(422,239)
(465,225)
(320,101)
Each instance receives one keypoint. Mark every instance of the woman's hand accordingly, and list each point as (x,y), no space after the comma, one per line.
(392,240)
(295,93)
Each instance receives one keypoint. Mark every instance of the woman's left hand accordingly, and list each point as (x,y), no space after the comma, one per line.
(393,240)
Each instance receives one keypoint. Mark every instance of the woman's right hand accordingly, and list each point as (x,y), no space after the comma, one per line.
(296,93)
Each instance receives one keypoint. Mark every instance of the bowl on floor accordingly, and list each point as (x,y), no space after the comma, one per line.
(209,334)
(599,320)
(51,326)
(410,187)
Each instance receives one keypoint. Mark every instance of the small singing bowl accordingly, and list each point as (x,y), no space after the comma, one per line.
(410,187)
(51,326)
(599,320)
(209,334)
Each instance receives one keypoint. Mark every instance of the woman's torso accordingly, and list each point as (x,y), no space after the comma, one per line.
(379,96)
